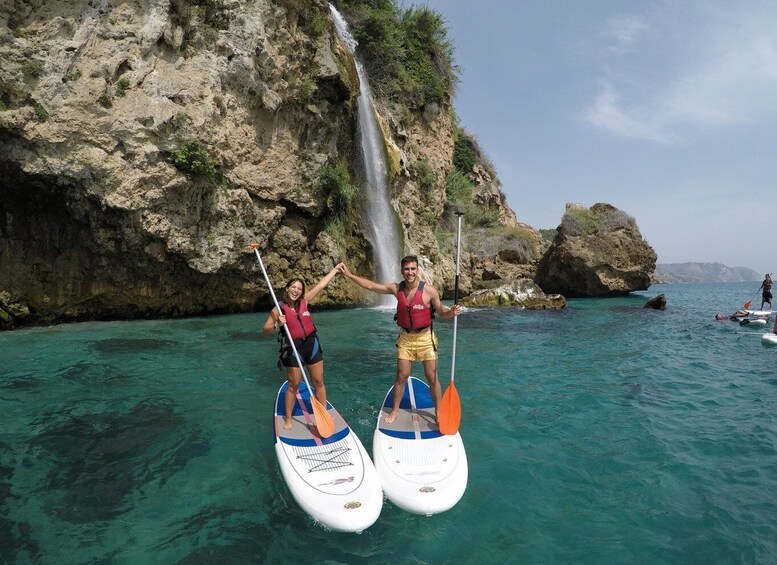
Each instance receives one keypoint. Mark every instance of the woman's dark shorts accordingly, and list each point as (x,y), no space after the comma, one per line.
(309,350)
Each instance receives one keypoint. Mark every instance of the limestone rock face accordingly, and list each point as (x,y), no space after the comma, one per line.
(522,292)
(95,221)
(597,252)
(99,98)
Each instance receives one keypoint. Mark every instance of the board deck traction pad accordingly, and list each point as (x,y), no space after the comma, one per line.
(418,423)
(304,434)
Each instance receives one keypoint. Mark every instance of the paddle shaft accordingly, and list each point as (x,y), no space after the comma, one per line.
(456,293)
(285,326)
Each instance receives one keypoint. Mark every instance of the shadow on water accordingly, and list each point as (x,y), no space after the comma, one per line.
(16,542)
(116,345)
(97,460)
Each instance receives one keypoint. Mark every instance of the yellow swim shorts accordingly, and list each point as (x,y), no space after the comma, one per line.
(417,346)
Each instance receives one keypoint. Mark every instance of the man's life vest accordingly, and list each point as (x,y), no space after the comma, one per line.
(416,315)
(300,323)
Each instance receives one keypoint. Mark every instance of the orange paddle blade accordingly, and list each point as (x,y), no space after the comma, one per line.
(748,304)
(324,421)
(450,411)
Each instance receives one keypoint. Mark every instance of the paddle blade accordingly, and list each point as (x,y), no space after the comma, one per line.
(748,304)
(450,411)
(324,421)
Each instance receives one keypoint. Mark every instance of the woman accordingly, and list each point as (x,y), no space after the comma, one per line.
(295,313)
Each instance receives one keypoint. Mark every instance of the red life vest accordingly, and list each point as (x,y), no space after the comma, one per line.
(300,323)
(416,315)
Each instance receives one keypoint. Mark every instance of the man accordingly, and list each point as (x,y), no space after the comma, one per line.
(416,341)
(766,296)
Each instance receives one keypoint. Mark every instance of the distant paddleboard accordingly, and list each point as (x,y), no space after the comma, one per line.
(752,322)
(421,470)
(769,338)
(759,312)
(332,479)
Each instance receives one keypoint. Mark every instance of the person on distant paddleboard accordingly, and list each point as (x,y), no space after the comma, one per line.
(416,341)
(295,313)
(766,296)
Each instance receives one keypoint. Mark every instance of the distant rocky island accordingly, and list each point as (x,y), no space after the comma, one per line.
(702,272)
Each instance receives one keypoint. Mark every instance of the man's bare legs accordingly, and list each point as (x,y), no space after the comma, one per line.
(403,373)
(430,372)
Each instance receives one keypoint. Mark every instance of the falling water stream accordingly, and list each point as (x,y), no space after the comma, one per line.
(380,216)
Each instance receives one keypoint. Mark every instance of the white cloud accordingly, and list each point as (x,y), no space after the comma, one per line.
(625,30)
(607,113)
(687,77)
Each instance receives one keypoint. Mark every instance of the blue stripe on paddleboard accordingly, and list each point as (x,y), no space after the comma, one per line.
(312,442)
(429,434)
(423,398)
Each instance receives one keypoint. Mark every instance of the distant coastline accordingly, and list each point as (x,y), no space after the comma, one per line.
(702,272)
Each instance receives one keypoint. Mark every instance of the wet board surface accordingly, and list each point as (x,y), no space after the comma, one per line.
(421,470)
(332,479)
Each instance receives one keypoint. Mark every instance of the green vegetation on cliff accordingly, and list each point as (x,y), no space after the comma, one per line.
(598,218)
(340,194)
(407,53)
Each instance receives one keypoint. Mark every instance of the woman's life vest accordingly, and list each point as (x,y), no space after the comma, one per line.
(416,315)
(300,323)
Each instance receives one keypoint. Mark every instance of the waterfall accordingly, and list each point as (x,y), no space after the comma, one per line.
(380,216)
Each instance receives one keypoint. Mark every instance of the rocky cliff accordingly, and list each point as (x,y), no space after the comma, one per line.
(597,252)
(144,145)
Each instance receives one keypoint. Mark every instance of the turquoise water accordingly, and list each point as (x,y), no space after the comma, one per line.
(602,433)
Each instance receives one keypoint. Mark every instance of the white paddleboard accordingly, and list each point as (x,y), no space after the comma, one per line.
(753,322)
(769,338)
(421,470)
(759,312)
(332,479)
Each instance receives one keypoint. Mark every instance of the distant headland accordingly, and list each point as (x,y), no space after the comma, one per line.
(702,272)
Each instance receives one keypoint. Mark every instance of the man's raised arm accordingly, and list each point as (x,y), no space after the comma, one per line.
(389,288)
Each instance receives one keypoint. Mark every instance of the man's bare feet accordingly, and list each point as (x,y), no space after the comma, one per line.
(287,424)
(391,417)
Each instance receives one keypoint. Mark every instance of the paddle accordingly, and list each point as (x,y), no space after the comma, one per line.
(323,420)
(450,406)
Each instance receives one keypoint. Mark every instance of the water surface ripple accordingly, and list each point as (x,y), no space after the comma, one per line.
(603,433)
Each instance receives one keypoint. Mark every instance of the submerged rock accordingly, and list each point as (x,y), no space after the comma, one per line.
(657,302)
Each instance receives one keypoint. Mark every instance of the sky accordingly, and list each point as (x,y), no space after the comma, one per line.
(666,109)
